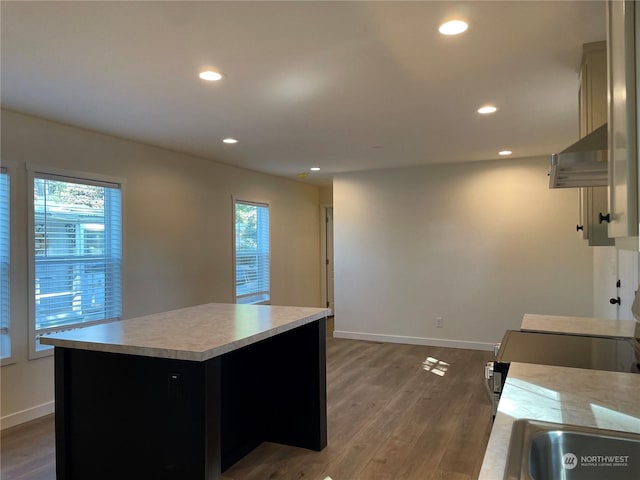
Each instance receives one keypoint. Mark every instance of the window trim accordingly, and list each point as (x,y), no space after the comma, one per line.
(89,178)
(260,203)
(9,169)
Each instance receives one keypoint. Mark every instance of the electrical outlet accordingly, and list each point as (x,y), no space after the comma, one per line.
(439,322)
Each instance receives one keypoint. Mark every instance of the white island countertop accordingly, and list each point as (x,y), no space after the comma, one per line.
(579,325)
(194,333)
(575,396)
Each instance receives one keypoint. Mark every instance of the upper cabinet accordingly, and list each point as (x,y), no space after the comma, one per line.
(622,120)
(593,202)
(593,114)
(593,87)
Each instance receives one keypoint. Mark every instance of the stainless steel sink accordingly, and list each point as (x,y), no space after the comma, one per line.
(554,451)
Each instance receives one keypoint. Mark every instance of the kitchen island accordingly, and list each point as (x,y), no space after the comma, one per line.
(187,393)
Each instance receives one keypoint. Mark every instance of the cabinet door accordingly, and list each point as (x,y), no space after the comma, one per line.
(583,214)
(593,114)
(596,203)
(623,176)
(593,87)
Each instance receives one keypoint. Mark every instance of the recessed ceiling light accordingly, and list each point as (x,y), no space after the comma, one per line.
(230,140)
(453,27)
(504,153)
(487,109)
(315,169)
(210,76)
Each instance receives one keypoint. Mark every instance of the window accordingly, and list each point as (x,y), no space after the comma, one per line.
(251,252)
(77,244)
(5,337)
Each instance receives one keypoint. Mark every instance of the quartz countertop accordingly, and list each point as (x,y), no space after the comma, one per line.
(579,325)
(194,333)
(591,398)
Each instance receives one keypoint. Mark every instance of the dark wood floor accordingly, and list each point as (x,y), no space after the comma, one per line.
(388,418)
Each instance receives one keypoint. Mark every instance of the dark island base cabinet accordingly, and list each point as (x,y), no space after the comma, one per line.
(132,417)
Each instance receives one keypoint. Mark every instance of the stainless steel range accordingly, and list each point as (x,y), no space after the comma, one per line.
(580,351)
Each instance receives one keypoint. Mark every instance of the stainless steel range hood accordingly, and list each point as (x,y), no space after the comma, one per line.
(583,164)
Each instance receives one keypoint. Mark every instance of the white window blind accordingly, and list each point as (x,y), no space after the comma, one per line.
(5,336)
(77,235)
(252,252)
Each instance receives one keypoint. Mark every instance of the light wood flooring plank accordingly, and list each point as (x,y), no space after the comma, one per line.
(27,451)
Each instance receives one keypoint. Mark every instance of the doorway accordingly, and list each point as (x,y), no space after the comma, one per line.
(327,257)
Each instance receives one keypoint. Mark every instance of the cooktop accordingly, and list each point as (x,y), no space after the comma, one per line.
(596,353)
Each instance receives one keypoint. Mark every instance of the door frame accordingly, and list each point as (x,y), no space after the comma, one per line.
(324,278)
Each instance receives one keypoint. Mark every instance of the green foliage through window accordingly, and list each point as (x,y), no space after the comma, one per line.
(252,252)
(77,251)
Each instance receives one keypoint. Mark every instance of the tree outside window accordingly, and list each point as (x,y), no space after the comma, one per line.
(77,253)
(252,252)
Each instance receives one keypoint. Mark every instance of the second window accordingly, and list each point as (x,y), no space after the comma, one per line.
(251,252)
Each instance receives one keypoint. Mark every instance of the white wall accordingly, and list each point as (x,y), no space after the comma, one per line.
(326,196)
(177,216)
(478,244)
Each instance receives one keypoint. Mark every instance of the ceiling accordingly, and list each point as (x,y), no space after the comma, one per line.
(344,86)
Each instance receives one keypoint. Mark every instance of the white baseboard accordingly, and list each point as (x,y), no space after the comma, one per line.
(433,342)
(27,415)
